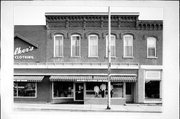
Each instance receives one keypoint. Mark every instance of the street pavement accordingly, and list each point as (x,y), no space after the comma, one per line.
(88,107)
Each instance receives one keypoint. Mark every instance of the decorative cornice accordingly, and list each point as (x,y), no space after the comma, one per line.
(83,21)
(150,25)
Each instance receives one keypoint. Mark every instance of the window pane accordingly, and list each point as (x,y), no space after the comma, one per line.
(63,89)
(152,89)
(75,45)
(151,52)
(116,89)
(99,90)
(25,89)
(128,89)
(112,45)
(151,46)
(96,89)
(58,46)
(128,45)
(128,51)
(15,89)
(93,46)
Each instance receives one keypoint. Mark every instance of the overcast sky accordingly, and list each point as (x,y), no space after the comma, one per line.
(35,15)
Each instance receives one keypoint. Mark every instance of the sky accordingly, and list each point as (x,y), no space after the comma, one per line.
(35,15)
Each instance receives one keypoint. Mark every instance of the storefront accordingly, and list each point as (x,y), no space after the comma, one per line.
(92,89)
(65,61)
(70,88)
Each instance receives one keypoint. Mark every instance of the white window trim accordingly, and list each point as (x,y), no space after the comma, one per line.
(152,57)
(28,97)
(79,45)
(60,97)
(89,46)
(62,43)
(124,47)
(107,46)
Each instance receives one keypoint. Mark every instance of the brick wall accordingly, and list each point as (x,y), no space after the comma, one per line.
(139,48)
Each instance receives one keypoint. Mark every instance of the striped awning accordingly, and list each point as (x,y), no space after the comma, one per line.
(70,78)
(28,78)
(94,78)
(117,78)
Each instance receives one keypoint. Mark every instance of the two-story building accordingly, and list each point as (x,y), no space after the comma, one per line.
(66,60)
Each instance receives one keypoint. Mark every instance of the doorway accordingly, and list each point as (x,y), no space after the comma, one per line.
(79,91)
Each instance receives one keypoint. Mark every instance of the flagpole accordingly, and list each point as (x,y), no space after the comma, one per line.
(109,59)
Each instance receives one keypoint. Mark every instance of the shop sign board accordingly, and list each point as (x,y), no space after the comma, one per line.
(18,53)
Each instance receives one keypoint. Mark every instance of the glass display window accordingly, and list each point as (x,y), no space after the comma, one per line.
(25,89)
(63,89)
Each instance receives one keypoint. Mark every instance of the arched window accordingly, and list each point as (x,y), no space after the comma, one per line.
(151,47)
(75,45)
(93,46)
(58,45)
(112,45)
(128,45)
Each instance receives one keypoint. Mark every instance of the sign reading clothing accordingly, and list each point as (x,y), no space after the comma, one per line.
(18,51)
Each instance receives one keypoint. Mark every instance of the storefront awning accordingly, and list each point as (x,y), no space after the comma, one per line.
(70,78)
(94,78)
(28,78)
(117,78)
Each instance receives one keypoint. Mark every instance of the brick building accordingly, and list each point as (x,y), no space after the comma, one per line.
(65,61)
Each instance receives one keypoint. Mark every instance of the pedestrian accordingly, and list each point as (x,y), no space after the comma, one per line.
(96,90)
(103,88)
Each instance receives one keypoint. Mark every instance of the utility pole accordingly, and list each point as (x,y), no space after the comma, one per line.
(109,60)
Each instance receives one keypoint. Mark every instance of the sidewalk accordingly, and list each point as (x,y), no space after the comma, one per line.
(86,108)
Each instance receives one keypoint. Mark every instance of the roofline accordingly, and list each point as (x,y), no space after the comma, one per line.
(25,39)
(91,13)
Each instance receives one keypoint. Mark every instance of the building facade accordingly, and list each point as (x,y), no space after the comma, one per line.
(66,60)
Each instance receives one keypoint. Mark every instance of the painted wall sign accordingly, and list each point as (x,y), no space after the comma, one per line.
(18,51)
(24,57)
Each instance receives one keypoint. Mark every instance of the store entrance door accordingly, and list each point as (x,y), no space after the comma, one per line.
(129,92)
(79,91)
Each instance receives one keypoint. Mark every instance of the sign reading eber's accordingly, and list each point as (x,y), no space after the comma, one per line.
(18,53)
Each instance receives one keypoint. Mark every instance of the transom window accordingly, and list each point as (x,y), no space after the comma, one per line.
(151,47)
(128,45)
(24,89)
(58,45)
(112,45)
(93,46)
(75,45)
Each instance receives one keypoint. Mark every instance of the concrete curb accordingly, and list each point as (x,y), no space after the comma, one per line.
(88,108)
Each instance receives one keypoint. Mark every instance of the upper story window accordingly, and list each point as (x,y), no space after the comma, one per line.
(93,46)
(58,45)
(128,45)
(112,45)
(75,45)
(151,47)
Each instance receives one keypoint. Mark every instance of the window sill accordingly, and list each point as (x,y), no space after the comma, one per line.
(58,57)
(128,57)
(75,56)
(152,57)
(62,97)
(24,97)
(93,56)
(111,57)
